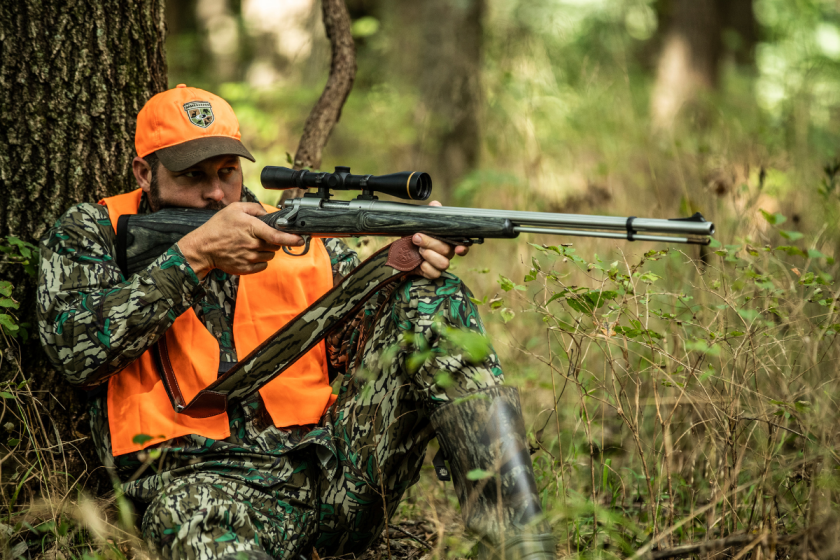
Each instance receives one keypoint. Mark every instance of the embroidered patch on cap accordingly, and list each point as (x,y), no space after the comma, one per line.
(200,113)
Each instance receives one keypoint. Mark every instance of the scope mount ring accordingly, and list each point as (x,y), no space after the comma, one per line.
(306,240)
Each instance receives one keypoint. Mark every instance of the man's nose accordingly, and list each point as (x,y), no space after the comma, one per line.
(214,190)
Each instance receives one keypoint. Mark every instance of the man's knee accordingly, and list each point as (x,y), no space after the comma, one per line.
(195,520)
(446,299)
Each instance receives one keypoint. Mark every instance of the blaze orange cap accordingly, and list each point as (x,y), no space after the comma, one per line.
(185,125)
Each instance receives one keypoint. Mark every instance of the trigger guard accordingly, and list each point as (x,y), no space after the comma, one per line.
(306,240)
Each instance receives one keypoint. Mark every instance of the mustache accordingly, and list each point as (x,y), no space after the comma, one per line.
(215,205)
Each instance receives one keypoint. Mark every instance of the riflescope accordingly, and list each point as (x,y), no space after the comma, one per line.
(408,185)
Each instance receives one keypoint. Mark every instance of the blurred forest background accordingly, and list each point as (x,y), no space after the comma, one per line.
(674,396)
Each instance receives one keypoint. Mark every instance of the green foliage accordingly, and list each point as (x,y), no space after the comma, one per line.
(728,356)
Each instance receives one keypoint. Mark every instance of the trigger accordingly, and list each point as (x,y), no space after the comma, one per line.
(306,240)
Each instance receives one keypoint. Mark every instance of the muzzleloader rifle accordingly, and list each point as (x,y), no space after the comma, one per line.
(143,238)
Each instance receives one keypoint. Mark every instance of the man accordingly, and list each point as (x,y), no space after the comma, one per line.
(293,466)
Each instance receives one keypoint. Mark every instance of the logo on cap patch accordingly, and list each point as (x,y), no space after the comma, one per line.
(200,113)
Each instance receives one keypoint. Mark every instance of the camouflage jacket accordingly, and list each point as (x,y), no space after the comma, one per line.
(93,322)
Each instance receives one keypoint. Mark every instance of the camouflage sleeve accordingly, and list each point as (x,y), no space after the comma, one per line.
(93,322)
(342,258)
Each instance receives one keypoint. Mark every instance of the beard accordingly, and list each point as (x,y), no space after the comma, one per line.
(157,203)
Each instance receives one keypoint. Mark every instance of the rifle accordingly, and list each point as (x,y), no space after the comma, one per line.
(142,239)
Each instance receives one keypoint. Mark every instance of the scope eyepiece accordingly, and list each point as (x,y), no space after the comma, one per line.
(408,185)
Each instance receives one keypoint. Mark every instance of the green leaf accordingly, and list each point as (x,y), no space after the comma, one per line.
(8,302)
(364,27)
(702,346)
(6,288)
(710,371)
(649,277)
(792,251)
(749,315)
(6,395)
(814,254)
(141,439)
(475,345)
(444,380)
(479,474)
(791,235)
(8,323)
(773,219)
(12,442)
(507,284)
(507,314)
(558,295)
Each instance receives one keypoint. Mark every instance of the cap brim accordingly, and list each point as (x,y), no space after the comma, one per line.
(185,155)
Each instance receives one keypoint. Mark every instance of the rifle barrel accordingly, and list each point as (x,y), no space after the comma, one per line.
(541,222)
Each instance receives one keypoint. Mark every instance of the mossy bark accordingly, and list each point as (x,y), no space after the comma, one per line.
(73,76)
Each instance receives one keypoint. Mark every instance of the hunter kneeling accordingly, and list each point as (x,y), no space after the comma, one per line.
(294,466)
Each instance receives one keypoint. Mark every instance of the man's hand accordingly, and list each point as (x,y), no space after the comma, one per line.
(234,241)
(436,254)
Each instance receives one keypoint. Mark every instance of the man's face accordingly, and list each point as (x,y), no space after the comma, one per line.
(212,183)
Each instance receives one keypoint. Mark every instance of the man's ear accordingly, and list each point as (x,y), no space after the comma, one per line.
(142,173)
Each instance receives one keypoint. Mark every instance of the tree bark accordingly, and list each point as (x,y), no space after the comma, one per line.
(693,49)
(738,17)
(73,76)
(439,46)
(690,59)
(450,81)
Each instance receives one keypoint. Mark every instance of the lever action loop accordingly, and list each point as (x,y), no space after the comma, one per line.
(630,231)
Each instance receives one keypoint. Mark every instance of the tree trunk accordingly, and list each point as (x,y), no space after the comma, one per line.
(327,110)
(73,76)
(439,52)
(738,18)
(690,59)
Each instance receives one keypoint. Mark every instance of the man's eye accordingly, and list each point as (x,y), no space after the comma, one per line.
(192,174)
(228,170)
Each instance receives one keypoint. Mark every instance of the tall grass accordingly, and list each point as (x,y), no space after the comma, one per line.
(45,512)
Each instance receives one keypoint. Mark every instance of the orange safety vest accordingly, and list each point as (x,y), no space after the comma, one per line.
(137,401)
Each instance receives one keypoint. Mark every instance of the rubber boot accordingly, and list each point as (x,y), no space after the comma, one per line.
(485,432)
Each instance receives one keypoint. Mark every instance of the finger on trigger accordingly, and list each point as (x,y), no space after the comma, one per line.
(276,237)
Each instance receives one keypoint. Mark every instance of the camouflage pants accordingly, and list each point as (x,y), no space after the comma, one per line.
(411,351)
